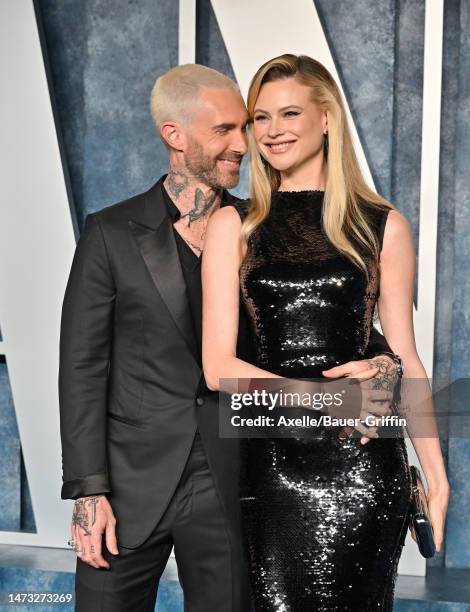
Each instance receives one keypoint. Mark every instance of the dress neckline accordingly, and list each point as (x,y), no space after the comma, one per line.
(300,191)
(296,200)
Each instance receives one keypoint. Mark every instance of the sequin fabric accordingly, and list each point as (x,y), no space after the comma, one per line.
(324,519)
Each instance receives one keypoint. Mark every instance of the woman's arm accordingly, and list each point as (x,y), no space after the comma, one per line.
(395,304)
(221,293)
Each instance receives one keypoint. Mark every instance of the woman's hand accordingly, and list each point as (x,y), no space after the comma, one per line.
(437,505)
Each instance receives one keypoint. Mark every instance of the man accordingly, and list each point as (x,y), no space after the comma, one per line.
(141,452)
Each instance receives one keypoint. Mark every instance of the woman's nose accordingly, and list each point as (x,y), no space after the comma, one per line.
(274,128)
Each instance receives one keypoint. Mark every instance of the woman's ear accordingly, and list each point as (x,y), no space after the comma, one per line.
(172,134)
(325,122)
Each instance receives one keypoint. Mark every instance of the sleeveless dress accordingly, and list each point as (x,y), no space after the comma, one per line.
(324,519)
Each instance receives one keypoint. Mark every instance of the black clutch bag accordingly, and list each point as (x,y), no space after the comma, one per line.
(420,515)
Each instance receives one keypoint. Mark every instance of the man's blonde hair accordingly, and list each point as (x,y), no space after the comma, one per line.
(175,94)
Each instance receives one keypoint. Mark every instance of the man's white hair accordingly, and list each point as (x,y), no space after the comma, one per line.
(175,94)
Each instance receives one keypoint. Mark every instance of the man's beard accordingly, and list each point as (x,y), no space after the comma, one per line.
(205,168)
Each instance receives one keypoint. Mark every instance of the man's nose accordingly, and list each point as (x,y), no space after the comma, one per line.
(240,142)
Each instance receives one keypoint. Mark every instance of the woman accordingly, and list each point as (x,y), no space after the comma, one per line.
(325,519)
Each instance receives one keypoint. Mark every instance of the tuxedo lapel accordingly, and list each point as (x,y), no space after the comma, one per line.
(153,232)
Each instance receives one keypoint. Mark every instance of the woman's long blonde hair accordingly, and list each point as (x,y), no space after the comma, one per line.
(343,218)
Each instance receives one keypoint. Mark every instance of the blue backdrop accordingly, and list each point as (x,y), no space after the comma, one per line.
(104,58)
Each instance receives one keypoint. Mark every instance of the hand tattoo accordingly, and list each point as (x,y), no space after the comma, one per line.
(80,514)
(387,376)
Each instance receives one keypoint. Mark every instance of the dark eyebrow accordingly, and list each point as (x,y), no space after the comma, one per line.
(260,110)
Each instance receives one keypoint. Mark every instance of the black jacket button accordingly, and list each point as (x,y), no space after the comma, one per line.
(199,401)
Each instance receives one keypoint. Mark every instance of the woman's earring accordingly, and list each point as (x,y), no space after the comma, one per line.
(325,145)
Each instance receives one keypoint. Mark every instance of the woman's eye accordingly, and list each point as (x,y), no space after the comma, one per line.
(292,113)
(260,117)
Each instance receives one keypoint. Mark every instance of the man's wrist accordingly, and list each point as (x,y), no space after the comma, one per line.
(85,497)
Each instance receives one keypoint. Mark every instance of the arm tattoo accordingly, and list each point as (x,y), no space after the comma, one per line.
(80,514)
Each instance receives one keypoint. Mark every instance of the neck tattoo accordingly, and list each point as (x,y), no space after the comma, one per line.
(196,203)
(194,200)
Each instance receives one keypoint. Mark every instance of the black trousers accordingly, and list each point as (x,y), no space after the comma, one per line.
(195,525)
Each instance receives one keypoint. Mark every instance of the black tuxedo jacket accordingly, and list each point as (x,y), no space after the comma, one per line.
(131,387)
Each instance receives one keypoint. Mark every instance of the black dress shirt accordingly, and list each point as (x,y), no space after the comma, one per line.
(191,266)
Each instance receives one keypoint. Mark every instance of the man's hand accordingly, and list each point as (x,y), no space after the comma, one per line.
(93,516)
(378,377)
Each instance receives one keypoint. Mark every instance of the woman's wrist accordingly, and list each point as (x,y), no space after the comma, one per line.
(439,488)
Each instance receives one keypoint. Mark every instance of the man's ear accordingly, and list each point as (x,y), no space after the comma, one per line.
(173,135)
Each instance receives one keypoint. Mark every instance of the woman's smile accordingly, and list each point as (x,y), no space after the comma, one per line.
(279,147)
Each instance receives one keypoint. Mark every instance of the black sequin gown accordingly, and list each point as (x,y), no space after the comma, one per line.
(324,519)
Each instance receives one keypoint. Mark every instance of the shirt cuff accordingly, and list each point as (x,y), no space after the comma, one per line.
(94,484)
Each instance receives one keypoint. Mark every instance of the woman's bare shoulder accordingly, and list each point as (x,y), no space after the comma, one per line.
(225,219)
(397,227)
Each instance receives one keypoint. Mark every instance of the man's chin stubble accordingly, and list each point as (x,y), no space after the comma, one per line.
(230,180)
